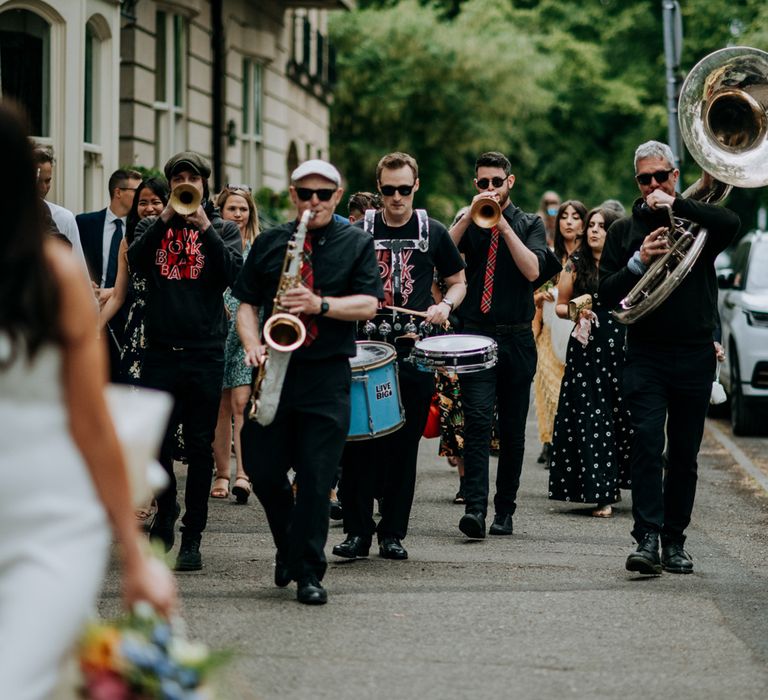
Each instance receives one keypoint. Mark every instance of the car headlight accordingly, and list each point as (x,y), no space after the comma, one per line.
(756,318)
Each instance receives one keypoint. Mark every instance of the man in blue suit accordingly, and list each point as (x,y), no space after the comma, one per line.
(100,236)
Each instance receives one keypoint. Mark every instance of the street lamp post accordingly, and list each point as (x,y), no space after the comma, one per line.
(673,44)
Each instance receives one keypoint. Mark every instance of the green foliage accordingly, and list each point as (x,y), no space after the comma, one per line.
(567,90)
(146,172)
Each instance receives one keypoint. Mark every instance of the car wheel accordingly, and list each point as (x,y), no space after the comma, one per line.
(743,420)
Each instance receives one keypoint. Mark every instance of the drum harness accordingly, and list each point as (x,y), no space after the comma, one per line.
(396,246)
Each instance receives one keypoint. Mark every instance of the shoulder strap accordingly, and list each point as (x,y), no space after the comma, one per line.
(368,221)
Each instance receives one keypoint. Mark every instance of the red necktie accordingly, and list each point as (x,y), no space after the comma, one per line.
(490,268)
(308,279)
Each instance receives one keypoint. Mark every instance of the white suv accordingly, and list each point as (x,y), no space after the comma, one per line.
(743,306)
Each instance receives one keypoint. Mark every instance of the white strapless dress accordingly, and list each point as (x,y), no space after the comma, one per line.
(54,535)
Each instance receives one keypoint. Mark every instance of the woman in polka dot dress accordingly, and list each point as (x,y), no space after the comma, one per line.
(591,439)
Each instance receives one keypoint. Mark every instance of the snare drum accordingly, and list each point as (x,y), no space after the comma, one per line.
(375,395)
(459,353)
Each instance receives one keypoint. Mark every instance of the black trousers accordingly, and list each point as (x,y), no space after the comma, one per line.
(509,385)
(386,466)
(308,435)
(669,385)
(194,378)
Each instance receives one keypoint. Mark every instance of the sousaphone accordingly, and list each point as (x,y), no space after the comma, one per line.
(723,115)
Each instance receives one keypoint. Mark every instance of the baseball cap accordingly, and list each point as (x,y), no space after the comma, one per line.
(187,160)
(317,167)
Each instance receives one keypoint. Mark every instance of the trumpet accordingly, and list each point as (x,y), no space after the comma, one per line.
(485,212)
(185,199)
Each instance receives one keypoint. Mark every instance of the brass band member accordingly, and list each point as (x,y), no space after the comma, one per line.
(670,358)
(341,285)
(410,247)
(503,265)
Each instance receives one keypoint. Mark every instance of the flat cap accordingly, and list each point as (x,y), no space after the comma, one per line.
(187,160)
(317,167)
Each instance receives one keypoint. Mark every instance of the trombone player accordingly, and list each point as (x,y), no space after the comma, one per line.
(670,356)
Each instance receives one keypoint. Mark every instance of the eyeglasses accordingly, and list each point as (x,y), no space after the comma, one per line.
(128,189)
(483,182)
(244,188)
(660,176)
(305,194)
(389,190)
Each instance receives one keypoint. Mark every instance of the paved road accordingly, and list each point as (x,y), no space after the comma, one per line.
(547,613)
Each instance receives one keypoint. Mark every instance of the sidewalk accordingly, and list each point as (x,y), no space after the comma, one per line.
(547,613)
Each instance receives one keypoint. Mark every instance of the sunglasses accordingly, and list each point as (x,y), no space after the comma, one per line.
(244,188)
(389,190)
(305,194)
(660,176)
(483,182)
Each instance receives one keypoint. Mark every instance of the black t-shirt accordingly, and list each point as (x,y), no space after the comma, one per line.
(343,264)
(512,300)
(417,267)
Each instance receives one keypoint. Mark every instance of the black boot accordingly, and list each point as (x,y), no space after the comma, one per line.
(163,529)
(189,558)
(645,560)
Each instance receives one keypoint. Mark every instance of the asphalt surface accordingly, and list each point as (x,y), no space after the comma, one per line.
(547,613)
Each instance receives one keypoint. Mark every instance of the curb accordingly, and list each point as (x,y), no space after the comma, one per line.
(739,457)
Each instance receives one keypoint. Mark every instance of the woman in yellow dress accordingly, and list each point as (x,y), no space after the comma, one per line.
(551,332)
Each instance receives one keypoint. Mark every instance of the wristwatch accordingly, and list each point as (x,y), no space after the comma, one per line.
(446,300)
(324,307)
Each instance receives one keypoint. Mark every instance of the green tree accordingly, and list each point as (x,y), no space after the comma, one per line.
(567,90)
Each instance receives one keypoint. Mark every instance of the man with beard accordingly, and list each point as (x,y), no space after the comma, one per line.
(504,266)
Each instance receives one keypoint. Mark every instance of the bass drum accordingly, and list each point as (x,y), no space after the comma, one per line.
(375,396)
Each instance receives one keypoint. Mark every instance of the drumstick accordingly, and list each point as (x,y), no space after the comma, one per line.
(421,314)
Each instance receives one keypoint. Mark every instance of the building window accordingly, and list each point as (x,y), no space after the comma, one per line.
(25,65)
(253,106)
(170,81)
(91,125)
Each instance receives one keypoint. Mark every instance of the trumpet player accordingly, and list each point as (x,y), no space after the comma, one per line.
(506,254)
(189,256)
(670,357)
(339,285)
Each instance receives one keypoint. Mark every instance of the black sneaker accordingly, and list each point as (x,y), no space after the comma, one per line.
(675,559)
(645,560)
(189,558)
(163,528)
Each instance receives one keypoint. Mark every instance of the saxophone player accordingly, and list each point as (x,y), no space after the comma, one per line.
(340,285)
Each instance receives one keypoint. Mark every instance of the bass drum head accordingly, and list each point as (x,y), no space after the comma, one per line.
(371,354)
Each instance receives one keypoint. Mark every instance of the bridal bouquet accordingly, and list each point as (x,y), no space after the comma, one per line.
(143,657)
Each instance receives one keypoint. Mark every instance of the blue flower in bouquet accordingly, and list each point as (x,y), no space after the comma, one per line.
(149,659)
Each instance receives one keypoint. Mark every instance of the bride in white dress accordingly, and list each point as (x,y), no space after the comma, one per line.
(62,470)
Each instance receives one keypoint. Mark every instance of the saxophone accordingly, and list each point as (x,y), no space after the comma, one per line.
(283,333)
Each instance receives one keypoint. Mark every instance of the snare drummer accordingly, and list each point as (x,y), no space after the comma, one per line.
(503,263)
(409,247)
